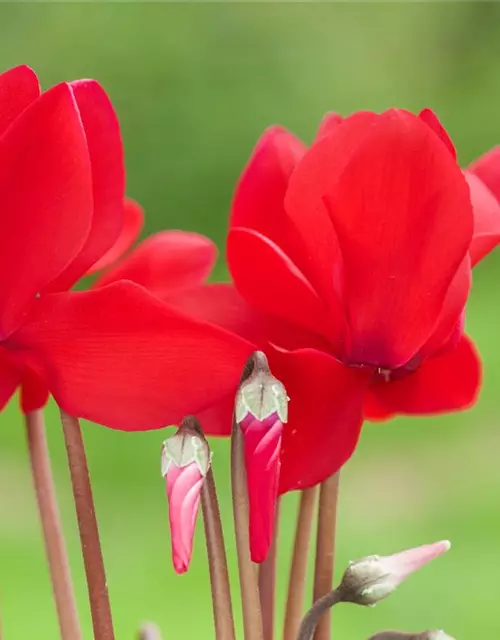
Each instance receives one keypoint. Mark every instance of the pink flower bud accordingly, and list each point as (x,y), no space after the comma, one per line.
(373,578)
(185,461)
(261,411)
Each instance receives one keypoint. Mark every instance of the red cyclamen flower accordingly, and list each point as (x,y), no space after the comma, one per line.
(261,411)
(351,264)
(104,354)
(185,461)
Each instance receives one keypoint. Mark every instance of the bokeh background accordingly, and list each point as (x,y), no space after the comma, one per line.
(194,86)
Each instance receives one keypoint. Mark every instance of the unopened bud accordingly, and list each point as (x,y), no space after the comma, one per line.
(401,635)
(373,578)
(149,631)
(185,461)
(261,410)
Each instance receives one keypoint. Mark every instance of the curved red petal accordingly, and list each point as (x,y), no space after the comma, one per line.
(486,219)
(19,87)
(325,414)
(403,217)
(102,133)
(258,202)
(133,221)
(449,382)
(268,280)
(329,123)
(121,357)
(374,410)
(46,196)
(487,169)
(430,118)
(10,377)
(166,262)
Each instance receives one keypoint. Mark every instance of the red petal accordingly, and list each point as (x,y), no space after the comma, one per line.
(487,169)
(46,196)
(166,262)
(329,123)
(19,87)
(430,118)
(373,410)
(268,280)
(403,217)
(123,358)
(258,202)
(102,132)
(34,392)
(486,219)
(10,376)
(325,415)
(448,382)
(133,222)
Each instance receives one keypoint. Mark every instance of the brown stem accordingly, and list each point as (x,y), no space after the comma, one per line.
(252,617)
(298,570)
(149,631)
(89,533)
(325,549)
(267,581)
(55,547)
(217,562)
(316,613)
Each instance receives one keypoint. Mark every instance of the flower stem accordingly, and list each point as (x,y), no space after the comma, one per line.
(252,617)
(316,613)
(149,631)
(267,581)
(298,570)
(89,533)
(325,549)
(217,561)
(55,547)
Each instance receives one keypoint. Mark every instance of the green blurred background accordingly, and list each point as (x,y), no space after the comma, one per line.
(194,85)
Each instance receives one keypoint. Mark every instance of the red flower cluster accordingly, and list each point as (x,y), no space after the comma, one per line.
(351,263)
(116,354)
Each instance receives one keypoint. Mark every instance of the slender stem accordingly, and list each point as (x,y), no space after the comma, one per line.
(316,614)
(149,631)
(217,561)
(89,533)
(252,617)
(298,570)
(325,548)
(55,546)
(267,581)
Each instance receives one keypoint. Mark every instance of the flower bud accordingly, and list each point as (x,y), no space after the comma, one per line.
(185,461)
(373,578)
(400,635)
(261,410)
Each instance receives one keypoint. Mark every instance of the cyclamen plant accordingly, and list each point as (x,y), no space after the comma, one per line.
(351,268)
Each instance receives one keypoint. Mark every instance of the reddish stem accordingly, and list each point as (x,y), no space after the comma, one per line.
(55,547)
(89,533)
(325,549)
(298,570)
(267,581)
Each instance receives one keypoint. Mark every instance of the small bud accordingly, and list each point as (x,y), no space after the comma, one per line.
(373,578)
(149,631)
(261,410)
(401,635)
(185,461)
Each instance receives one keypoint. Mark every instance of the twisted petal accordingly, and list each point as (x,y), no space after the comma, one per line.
(10,377)
(166,262)
(121,357)
(183,486)
(486,218)
(102,133)
(46,200)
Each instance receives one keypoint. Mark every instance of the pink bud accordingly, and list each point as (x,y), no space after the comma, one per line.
(185,462)
(261,410)
(373,578)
